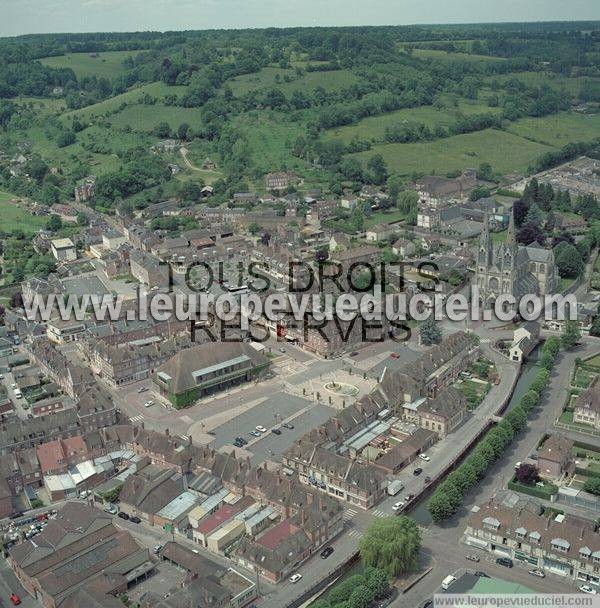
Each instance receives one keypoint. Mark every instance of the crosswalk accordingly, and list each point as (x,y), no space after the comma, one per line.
(136,418)
(349,514)
(355,533)
(184,437)
(380,513)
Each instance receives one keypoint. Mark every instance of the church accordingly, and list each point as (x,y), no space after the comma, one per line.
(510,268)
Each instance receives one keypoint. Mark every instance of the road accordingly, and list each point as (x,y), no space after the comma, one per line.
(443,541)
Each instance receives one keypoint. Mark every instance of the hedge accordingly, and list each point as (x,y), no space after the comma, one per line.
(449,495)
(545,493)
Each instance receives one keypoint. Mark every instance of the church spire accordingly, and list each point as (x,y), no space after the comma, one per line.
(485,244)
(511,237)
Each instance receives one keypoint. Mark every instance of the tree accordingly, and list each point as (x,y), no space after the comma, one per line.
(254,228)
(377,581)
(392,545)
(162,129)
(66,138)
(54,223)
(568,260)
(361,597)
(530,233)
(430,332)
(378,169)
(592,485)
(534,215)
(527,474)
(485,172)
(82,219)
(571,334)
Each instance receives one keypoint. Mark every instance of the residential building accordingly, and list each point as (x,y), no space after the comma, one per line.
(513,526)
(587,406)
(554,456)
(63,250)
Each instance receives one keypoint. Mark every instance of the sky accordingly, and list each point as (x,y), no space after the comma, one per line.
(42,16)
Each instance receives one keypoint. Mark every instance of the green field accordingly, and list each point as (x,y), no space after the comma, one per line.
(504,151)
(537,79)
(451,56)
(558,129)
(159,90)
(373,127)
(102,65)
(267,78)
(144,118)
(15,218)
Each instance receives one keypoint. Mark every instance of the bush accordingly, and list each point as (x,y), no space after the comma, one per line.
(592,485)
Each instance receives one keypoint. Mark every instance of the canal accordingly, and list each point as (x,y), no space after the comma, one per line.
(528,373)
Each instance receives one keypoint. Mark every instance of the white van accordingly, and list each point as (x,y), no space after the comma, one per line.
(447,582)
(18,394)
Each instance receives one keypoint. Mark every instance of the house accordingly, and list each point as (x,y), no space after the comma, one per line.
(587,406)
(63,250)
(280,180)
(208,164)
(339,242)
(525,339)
(513,526)
(554,456)
(436,191)
(85,190)
(444,413)
(196,372)
(65,212)
(404,247)
(379,232)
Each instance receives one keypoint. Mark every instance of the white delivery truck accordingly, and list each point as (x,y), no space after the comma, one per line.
(394,487)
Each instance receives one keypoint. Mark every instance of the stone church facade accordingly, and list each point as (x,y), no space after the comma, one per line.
(510,268)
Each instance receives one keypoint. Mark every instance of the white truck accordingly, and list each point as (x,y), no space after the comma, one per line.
(394,487)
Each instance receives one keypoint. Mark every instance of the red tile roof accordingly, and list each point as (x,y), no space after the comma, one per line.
(278,533)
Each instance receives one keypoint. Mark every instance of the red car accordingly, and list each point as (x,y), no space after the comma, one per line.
(15,599)
(395,356)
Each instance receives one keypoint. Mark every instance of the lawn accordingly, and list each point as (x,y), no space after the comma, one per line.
(373,127)
(102,65)
(506,152)
(276,77)
(558,129)
(15,218)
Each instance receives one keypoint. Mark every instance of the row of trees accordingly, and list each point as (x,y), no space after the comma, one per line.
(449,495)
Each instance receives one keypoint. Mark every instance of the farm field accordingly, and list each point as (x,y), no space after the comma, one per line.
(142,117)
(268,77)
(373,127)
(506,152)
(558,129)
(156,89)
(16,218)
(102,65)
(572,85)
(452,56)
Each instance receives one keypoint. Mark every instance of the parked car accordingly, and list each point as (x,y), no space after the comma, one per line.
(417,471)
(409,497)
(135,519)
(394,355)
(472,557)
(326,552)
(149,403)
(123,515)
(282,350)
(424,457)
(156,549)
(481,574)
(538,573)
(255,433)
(295,578)
(398,505)
(13,385)
(587,589)
(111,509)
(142,389)
(276,431)
(242,440)
(15,600)
(260,429)
(287,425)
(505,561)
(354,354)
(1,376)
